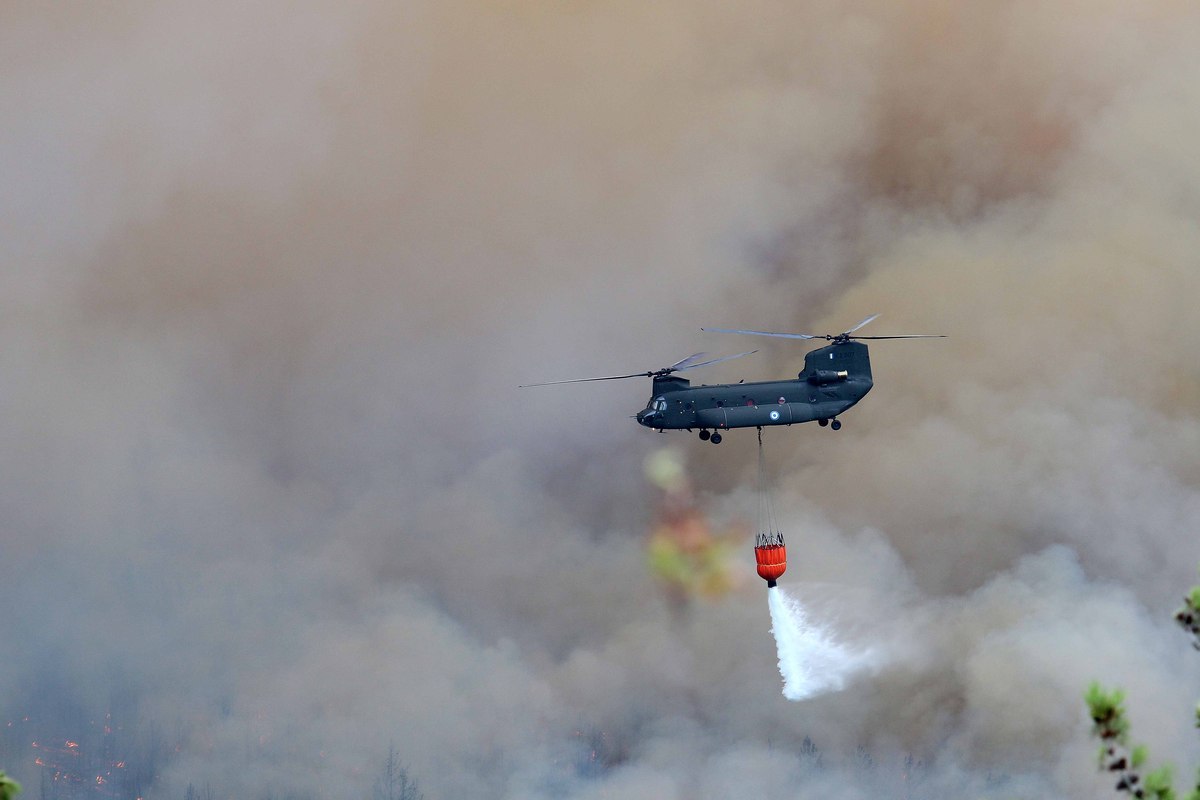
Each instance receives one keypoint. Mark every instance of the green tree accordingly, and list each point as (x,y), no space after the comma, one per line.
(1189,615)
(394,783)
(1111,726)
(8,787)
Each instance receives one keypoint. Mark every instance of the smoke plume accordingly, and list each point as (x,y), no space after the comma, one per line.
(272,503)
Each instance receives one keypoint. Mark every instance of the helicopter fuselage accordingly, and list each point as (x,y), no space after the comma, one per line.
(835,377)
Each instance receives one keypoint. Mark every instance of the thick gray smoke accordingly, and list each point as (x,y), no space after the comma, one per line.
(272,272)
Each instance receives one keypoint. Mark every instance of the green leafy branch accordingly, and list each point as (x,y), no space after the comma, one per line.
(1111,726)
(1189,616)
(8,787)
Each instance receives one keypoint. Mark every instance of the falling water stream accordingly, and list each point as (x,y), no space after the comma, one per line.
(811,662)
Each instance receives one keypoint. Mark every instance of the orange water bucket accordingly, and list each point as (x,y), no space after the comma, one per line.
(772,562)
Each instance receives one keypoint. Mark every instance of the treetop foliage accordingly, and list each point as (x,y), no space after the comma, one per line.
(1111,726)
(8,787)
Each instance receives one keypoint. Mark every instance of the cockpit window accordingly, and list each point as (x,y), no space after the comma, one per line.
(659,404)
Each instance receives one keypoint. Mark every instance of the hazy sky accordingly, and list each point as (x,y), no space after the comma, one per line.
(273,271)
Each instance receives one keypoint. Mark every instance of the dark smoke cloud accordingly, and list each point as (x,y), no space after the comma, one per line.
(272,273)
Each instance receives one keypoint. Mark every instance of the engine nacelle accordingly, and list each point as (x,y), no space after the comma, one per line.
(828,376)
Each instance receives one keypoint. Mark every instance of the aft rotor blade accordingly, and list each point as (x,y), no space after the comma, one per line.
(585,380)
(864,322)
(713,361)
(764,333)
(910,336)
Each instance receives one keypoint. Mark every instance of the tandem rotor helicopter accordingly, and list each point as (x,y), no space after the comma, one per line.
(835,377)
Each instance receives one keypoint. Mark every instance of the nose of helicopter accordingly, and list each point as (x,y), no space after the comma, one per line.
(646,417)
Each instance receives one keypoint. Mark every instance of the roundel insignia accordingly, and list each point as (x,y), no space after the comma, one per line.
(774,415)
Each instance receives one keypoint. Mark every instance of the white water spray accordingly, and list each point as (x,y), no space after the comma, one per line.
(810,661)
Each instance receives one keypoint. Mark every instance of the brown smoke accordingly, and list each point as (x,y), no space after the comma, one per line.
(274,272)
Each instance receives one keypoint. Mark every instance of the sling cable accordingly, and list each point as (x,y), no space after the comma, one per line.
(769,550)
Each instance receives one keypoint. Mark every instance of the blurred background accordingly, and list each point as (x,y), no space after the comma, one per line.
(273,508)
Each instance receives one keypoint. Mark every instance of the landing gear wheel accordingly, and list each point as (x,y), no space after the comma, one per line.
(716,438)
(836,424)
(704,436)
(822,422)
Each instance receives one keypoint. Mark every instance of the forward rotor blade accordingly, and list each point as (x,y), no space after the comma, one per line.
(864,322)
(585,380)
(714,360)
(688,362)
(764,333)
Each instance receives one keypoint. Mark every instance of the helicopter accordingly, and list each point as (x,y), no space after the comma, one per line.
(835,378)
